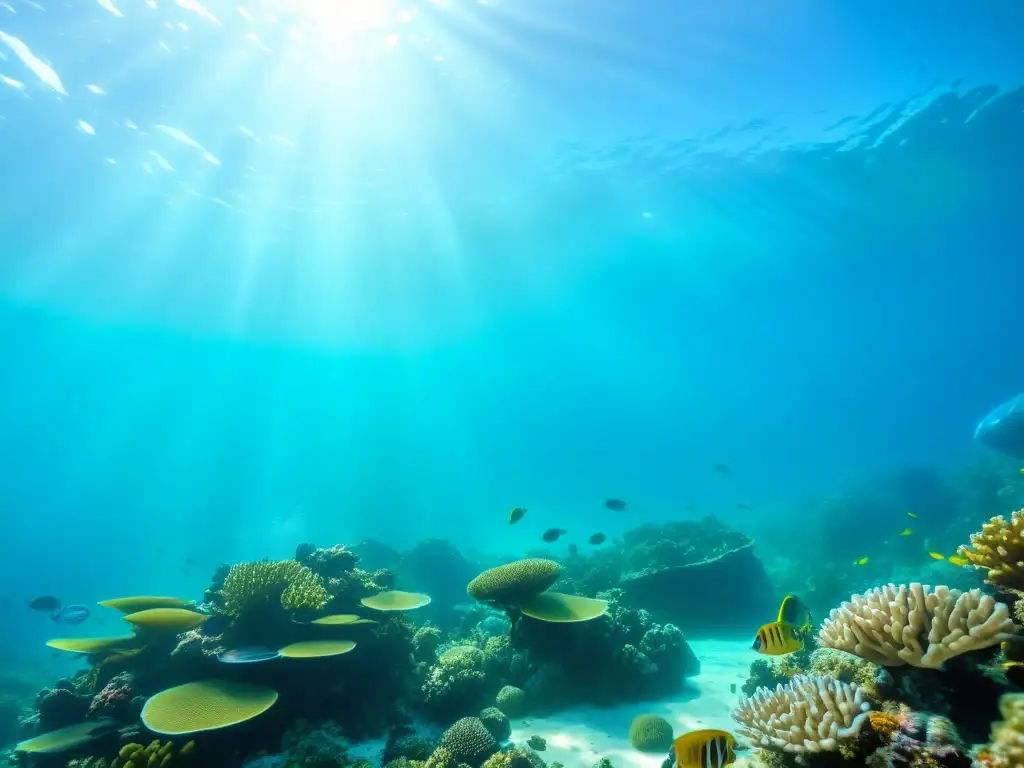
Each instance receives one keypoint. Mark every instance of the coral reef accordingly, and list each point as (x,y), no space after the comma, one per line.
(916,625)
(668,569)
(511,700)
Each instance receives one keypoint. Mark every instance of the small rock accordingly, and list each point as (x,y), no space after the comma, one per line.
(538,743)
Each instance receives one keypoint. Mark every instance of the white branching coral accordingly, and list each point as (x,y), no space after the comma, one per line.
(809,714)
(916,625)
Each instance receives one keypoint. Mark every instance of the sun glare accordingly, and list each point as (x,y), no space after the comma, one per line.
(342,18)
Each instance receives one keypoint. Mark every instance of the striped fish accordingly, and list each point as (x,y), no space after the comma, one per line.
(778,639)
(705,749)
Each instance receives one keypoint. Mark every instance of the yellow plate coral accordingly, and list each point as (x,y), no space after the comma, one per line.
(315,649)
(342,619)
(396,600)
(145,602)
(91,644)
(205,706)
(64,738)
(560,609)
(176,619)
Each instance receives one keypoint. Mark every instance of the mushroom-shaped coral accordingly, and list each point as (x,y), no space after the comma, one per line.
(396,600)
(809,714)
(514,582)
(469,741)
(916,625)
(563,609)
(252,585)
(1006,750)
(651,734)
(999,548)
(205,706)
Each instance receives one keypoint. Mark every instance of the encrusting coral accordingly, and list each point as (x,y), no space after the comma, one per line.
(999,548)
(294,586)
(916,625)
(809,714)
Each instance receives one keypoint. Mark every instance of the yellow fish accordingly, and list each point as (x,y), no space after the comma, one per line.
(778,639)
(906,531)
(936,556)
(911,514)
(705,749)
(957,560)
(795,613)
(1022,470)
(516,515)
(862,561)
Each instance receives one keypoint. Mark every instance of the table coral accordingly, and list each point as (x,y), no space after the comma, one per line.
(916,625)
(999,548)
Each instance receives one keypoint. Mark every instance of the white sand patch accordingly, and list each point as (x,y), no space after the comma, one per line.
(578,738)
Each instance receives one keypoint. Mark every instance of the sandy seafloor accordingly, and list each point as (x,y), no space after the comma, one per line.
(579,737)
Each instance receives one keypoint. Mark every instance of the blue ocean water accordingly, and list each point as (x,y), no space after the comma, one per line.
(277,272)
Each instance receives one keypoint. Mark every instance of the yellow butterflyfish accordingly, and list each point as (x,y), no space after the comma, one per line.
(957,560)
(911,514)
(906,531)
(778,639)
(705,749)
(862,561)
(936,556)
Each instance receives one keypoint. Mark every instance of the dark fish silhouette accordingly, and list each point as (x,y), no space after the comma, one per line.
(723,468)
(743,506)
(597,538)
(47,603)
(71,615)
(615,505)
(552,534)
(516,515)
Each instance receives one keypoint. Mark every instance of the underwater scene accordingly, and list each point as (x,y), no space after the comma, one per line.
(511,384)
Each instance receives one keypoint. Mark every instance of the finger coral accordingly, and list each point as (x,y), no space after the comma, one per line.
(999,548)
(809,714)
(1006,750)
(251,585)
(916,625)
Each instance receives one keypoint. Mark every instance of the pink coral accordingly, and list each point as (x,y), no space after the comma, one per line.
(114,700)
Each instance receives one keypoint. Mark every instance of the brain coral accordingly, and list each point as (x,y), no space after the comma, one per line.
(651,733)
(916,625)
(514,582)
(469,741)
(251,585)
(497,723)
